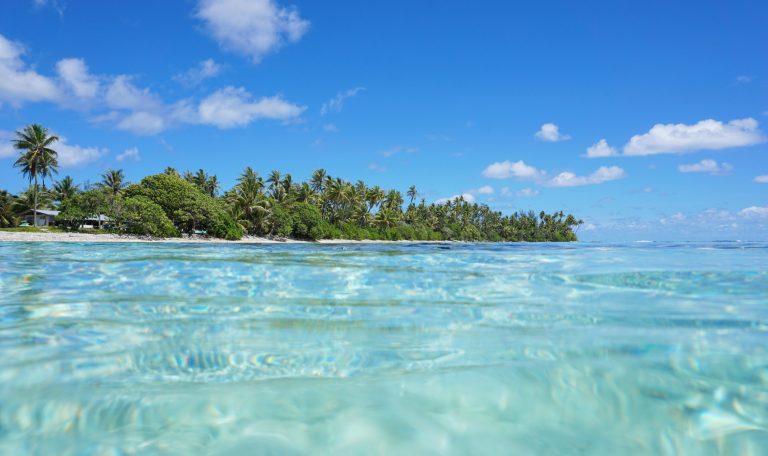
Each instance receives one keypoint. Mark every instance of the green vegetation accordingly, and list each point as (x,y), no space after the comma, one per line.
(36,159)
(171,204)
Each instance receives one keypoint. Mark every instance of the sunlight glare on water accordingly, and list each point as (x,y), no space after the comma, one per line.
(651,348)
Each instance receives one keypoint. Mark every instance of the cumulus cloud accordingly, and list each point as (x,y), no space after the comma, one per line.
(123,94)
(527,192)
(71,155)
(754,212)
(129,154)
(485,190)
(762,179)
(468,197)
(234,107)
(602,174)
(204,70)
(118,101)
(75,76)
(253,28)
(336,103)
(507,169)
(330,128)
(18,83)
(705,135)
(142,123)
(551,133)
(706,166)
(600,149)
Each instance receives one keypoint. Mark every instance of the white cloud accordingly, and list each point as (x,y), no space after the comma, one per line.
(527,192)
(122,94)
(71,155)
(373,166)
(75,76)
(706,166)
(705,135)
(468,197)
(143,123)
(505,191)
(507,169)
(330,127)
(485,190)
(253,28)
(117,101)
(19,84)
(204,70)
(602,174)
(6,147)
(600,149)
(55,4)
(399,149)
(743,79)
(7,150)
(336,103)
(754,212)
(235,107)
(762,179)
(551,133)
(129,154)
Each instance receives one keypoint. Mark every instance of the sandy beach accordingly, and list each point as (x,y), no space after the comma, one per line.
(42,236)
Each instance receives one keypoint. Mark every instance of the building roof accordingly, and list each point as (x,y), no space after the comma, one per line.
(44,212)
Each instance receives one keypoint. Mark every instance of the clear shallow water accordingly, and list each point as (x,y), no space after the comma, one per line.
(649,348)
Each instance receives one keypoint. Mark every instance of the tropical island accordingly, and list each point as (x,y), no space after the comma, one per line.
(172,204)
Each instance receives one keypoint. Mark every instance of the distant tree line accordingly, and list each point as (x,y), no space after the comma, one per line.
(171,204)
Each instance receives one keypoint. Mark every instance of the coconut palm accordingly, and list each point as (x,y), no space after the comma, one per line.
(37,159)
(63,189)
(7,215)
(317,181)
(113,181)
(412,193)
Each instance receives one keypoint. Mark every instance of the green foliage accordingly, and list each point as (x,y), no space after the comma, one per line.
(7,215)
(224,226)
(139,215)
(281,221)
(188,208)
(307,221)
(81,206)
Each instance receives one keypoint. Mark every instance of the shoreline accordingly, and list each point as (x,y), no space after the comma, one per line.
(41,236)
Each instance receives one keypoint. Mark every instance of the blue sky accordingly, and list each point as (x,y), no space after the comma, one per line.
(503,101)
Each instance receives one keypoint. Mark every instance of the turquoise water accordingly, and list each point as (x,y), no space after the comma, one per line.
(646,348)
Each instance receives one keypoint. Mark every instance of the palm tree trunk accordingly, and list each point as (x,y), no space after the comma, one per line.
(34,209)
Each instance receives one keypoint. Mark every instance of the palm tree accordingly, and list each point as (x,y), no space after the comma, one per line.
(64,189)
(37,158)
(412,193)
(318,180)
(113,180)
(7,216)
(275,180)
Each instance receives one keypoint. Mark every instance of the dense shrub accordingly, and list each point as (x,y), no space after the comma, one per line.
(188,208)
(281,221)
(139,215)
(307,220)
(77,208)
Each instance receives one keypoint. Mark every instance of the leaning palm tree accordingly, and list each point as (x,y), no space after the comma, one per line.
(37,158)
(412,193)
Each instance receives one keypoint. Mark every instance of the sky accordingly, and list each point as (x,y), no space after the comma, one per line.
(645,119)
